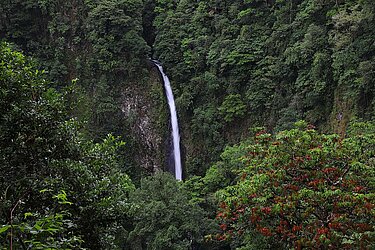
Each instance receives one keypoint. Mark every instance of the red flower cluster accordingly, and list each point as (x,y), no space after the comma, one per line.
(265,231)
(266,210)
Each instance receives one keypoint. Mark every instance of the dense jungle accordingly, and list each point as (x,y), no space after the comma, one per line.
(276,113)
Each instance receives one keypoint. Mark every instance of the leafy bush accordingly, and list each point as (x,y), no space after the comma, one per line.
(50,230)
(303,189)
(165,217)
(232,107)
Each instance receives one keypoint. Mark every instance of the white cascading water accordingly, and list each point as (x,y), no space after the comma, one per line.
(174,121)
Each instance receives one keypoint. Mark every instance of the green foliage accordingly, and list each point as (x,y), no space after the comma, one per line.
(100,191)
(98,42)
(41,149)
(31,121)
(232,107)
(115,33)
(233,64)
(303,189)
(288,60)
(49,230)
(206,129)
(165,216)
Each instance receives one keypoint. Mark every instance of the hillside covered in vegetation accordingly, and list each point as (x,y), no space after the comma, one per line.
(275,100)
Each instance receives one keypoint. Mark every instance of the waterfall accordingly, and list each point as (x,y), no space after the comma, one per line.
(174,121)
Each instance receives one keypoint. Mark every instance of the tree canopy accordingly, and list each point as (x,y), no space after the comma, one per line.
(275,101)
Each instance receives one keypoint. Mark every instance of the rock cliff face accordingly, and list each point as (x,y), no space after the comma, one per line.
(146,111)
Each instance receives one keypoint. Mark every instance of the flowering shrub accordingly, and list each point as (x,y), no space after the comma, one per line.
(303,189)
